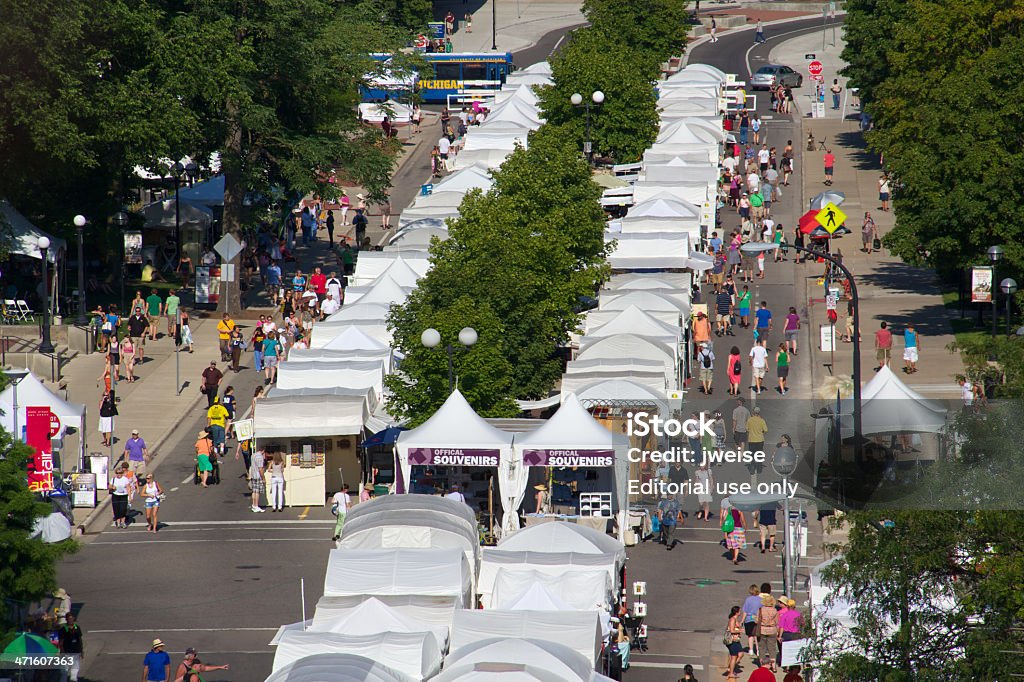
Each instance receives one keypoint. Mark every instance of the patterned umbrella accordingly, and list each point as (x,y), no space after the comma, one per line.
(27,643)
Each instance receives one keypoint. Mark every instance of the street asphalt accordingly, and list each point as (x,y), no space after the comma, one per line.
(223,579)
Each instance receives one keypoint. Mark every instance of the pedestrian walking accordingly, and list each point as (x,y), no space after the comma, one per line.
(108,410)
(230,403)
(736,538)
(868,233)
(359,222)
(759,364)
(237,344)
(749,613)
(830,165)
(256,341)
(743,306)
(119,488)
(782,368)
(189,669)
(883,346)
(835,90)
(154,309)
(790,620)
(723,308)
(768,631)
(668,516)
(186,332)
(204,456)
(69,634)
(156,666)
(764,320)
(884,192)
(735,370)
(272,350)
(467,21)
(136,454)
(138,326)
(216,424)
(210,384)
(705,486)
(385,212)
(713,30)
(766,525)
(733,632)
(257,469)
(114,357)
(153,493)
(706,363)
(757,428)
(911,344)
(759,35)
(224,329)
(276,468)
(740,415)
(339,507)
(129,358)
(171,305)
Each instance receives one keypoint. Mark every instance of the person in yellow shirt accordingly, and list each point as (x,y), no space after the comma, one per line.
(757,428)
(224,329)
(216,420)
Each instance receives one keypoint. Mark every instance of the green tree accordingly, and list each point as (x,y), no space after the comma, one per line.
(277,94)
(655,29)
(27,565)
(411,15)
(869,38)
(626,124)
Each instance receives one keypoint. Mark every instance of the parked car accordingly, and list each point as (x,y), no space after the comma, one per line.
(770,75)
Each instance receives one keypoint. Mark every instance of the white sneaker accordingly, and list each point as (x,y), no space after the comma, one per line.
(259,509)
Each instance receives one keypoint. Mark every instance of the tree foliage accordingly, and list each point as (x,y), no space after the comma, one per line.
(655,29)
(525,252)
(626,124)
(941,84)
(411,15)
(27,565)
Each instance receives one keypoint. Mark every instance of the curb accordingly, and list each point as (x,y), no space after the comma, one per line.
(749,27)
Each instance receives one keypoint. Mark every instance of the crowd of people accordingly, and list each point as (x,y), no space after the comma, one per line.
(453,131)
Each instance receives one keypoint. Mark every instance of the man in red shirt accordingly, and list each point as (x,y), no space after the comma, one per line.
(762,674)
(319,282)
(830,164)
(883,346)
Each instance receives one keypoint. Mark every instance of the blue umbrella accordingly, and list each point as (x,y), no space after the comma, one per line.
(388,436)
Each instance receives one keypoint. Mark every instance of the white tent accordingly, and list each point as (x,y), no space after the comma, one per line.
(519,78)
(679,170)
(632,320)
(696,191)
(415,654)
(490,158)
(548,563)
(462,181)
(514,111)
(383,291)
(430,572)
(595,319)
(705,150)
(714,71)
(602,366)
(418,238)
(685,132)
(354,374)
(400,529)
(557,659)
(456,435)
(522,92)
(504,139)
(702,126)
(355,312)
(649,250)
(629,345)
(325,333)
(578,630)
(654,379)
(654,157)
(412,504)
(305,413)
(25,236)
(54,527)
(337,668)
(31,392)
(160,214)
(542,68)
(356,345)
(662,213)
(372,616)
(372,264)
(660,280)
(890,406)
(615,391)
(414,213)
(439,200)
(570,429)
(497,672)
(400,272)
(375,112)
(565,537)
(679,103)
(531,590)
(434,612)
(650,300)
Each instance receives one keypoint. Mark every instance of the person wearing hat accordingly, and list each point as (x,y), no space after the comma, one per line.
(543,498)
(706,363)
(136,453)
(359,222)
(156,667)
(456,494)
(367,493)
(790,620)
(189,669)
(204,448)
(63,607)
(767,620)
(211,383)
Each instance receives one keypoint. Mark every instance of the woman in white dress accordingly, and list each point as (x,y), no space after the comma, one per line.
(706,483)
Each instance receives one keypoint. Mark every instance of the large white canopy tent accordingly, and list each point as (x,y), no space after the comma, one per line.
(31,392)
(654,379)
(660,280)
(649,250)
(695,191)
(617,364)
(612,391)
(690,131)
(576,590)
(456,435)
(517,111)
(161,215)
(353,374)
(337,668)
(521,92)
(714,71)
(631,346)
(663,213)
(383,291)
(633,320)
(370,616)
(25,236)
(365,311)
(399,528)
(565,537)
(555,658)
(519,78)
(550,563)
(430,572)
(504,139)
(491,158)
(372,264)
(325,333)
(497,672)
(307,413)
(415,610)
(595,319)
(650,300)
(678,170)
(413,504)
(462,181)
(417,239)
(889,406)
(679,104)
(578,630)
(415,654)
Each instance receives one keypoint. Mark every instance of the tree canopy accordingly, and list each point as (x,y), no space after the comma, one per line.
(626,124)
(655,29)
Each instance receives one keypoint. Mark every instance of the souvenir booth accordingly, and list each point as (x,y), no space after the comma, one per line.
(582,464)
(458,447)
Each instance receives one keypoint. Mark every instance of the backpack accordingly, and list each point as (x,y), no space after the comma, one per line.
(706,360)
(737,367)
(768,621)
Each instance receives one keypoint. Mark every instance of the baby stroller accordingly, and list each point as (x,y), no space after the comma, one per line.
(637,632)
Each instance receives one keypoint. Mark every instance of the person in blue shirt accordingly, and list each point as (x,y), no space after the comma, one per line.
(156,667)
(750,608)
(274,281)
(299,281)
(668,514)
(910,349)
(715,242)
(764,320)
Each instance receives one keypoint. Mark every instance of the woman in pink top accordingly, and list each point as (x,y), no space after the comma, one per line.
(790,620)
(792,330)
(735,370)
(345,203)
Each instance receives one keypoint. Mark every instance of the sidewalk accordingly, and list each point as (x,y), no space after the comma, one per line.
(889,290)
(520,23)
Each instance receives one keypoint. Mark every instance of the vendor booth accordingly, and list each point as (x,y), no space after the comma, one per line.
(317,430)
(422,529)
(413,504)
(414,653)
(578,630)
(450,445)
(352,374)
(163,218)
(30,392)
(372,264)
(577,590)
(556,659)
(414,613)
(549,563)
(429,572)
(337,667)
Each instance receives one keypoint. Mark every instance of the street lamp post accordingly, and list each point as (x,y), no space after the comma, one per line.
(15,376)
(577,99)
(784,463)
(431,338)
(1009,288)
(995,254)
(80,222)
(494,24)
(45,346)
(120,221)
(754,247)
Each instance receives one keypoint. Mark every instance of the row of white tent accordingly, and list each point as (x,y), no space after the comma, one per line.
(400,590)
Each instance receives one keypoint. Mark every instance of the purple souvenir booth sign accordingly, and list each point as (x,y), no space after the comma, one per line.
(569,458)
(459,457)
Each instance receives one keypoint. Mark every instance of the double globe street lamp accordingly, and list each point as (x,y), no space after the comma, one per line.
(1009,287)
(784,463)
(577,100)
(431,338)
(80,223)
(45,346)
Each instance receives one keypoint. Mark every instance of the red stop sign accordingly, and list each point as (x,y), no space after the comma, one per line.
(815,68)
(54,425)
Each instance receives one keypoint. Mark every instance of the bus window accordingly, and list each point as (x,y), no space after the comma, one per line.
(448,71)
(474,72)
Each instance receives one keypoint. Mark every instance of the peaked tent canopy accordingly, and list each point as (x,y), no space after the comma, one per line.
(632,320)
(462,181)
(557,659)
(415,654)
(536,597)
(563,537)
(418,238)
(687,132)
(650,250)
(890,406)
(646,299)
(428,572)
(374,616)
(337,668)
(530,590)
(695,67)
(411,504)
(432,611)
(307,413)
(570,430)
(348,339)
(160,214)
(372,263)
(578,630)
(25,236)
(32,393)
(494,560)
(399,529)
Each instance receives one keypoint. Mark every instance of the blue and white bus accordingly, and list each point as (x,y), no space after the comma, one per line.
(456,77)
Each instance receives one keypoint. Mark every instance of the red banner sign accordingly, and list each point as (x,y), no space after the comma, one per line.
(37,436)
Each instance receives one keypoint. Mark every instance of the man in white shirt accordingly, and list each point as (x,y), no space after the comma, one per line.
(334,286)
(443,147)
(329,306)
(753,182)
(339,506)
(759,363)
(456,495)
(729,163)
(763,155)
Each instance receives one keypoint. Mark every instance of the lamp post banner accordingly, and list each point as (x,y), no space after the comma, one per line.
(37,436)
(459,457)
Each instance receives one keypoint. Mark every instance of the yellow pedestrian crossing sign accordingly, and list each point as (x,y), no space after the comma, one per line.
(830,217)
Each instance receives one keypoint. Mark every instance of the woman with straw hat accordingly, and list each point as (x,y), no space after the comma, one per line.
(543,498)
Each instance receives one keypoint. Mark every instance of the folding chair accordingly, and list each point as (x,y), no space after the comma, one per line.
(27,313)
(11,312)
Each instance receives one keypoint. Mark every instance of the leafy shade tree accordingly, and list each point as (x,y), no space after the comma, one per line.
(655,29)
(627,122)
(482,371)
(869,38)
(27,565)
(527,251)
(411,15)
(277,94)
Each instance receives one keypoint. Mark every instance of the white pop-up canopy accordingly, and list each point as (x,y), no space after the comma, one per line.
(649,250)
(548,563)
(557,659)
(632,320)
(689,131)
(399,528)
(564,537)
(430,572)
(515,111)
(678,170)
(490,158)
(578,630)
(677,281)
(32,393)
(372,264)
(614,391)
(328,355)
(412,504)
(462,181)
(714,71)
(631,346)
(337,667)
(415,613)
(325,334)
(889,406)
(161,215)
(353,374)
(679,103)
(25,235)
(571,437)
(415,213)
(651,378)
(650,300)
(522,92)
(662,213)
(416,654)
(306,413)
(419,238)
(526,590)
(383,291)
(695,191)
(336,323)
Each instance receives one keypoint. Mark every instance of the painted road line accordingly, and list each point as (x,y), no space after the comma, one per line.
(191,477)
